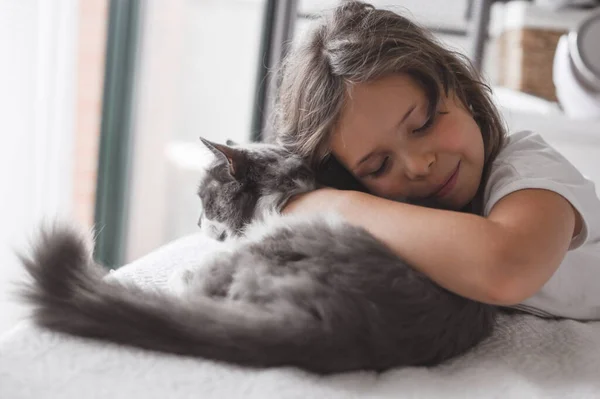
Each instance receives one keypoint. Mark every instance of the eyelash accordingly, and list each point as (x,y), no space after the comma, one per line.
(428,123)
(381,169)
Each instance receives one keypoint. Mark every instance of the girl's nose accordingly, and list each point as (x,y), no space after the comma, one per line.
(418,167)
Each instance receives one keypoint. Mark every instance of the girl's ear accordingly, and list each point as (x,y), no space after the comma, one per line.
(234,157)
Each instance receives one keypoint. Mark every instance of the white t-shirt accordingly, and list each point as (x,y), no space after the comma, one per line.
(527,161)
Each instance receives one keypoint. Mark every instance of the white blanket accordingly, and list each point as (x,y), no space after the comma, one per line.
(526,358)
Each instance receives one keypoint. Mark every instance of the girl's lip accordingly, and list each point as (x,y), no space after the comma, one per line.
(449,185)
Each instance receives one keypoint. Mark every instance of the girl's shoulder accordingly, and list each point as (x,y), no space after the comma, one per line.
(526,147)
(526,156)
(527,161)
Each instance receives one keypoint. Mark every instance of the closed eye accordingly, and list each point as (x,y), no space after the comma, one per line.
(426,125)
(429,122)
(382,169)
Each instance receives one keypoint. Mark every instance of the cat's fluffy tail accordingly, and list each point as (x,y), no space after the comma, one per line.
(69,295)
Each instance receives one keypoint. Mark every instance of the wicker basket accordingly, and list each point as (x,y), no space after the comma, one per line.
(525,58)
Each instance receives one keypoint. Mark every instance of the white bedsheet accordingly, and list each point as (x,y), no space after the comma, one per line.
(526,358)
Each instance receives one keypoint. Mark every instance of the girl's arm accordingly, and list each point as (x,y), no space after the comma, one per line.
(502,259)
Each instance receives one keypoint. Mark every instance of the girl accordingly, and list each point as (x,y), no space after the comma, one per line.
(502,220)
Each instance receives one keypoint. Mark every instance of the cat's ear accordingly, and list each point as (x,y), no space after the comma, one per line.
(234,157)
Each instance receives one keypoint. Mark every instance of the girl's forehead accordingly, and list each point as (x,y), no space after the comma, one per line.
(380,96)
(396,85)
(371,113)
(379,104)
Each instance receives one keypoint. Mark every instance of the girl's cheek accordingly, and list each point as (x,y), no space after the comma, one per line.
(375,187)
(391,188)
(450,136)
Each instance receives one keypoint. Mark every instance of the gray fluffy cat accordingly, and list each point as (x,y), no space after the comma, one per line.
(312,292)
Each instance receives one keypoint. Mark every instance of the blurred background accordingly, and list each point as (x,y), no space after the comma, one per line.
(102,102)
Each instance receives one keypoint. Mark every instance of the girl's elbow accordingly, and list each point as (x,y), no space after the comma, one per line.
(509,287)
(517,271)
(504,292)
(506,281)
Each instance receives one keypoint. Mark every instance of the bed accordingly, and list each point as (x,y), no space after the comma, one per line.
(527,357)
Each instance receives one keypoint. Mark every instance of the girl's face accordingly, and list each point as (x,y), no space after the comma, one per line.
(387,140)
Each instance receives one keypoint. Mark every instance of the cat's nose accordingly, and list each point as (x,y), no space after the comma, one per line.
(222,236)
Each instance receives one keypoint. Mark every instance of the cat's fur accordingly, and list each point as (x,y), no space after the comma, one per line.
(312,292)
